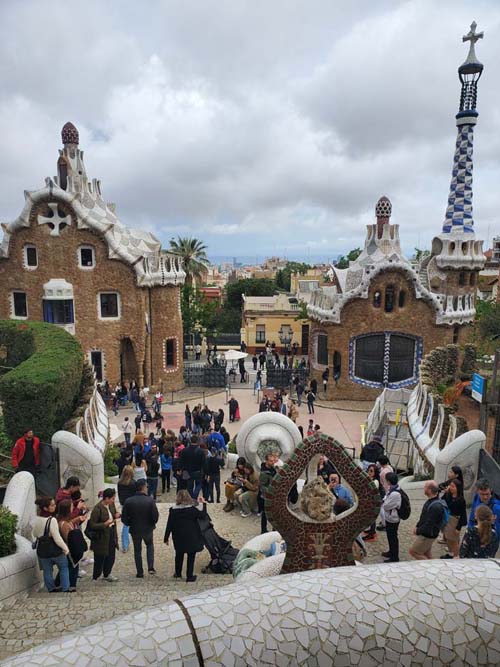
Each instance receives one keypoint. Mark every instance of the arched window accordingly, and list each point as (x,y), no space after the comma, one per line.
(462,278)
(377,299)
(401,298)
(389,299)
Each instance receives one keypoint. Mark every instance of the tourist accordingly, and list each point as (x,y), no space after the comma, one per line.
(52,551)
(26,453)
(152,471)
(268,470)
(390,514)
(214,464)
(104,540)
(176,466)
(206,419)
(372,472)
(126,488)
(234,484)
(293,411)
(166,461)
(325,468)
(300,390)
(339,490)
(454,498)
(455,472)
(183,525)
(191,463)
(126,430)
(197,352)
(73,538)
(262,360)
(225,435)
(484,496)
(481,540)
(430,523)
(310,397)
(65,492)
(138,423)
(115,403)
(372,451)
(134,397)
(241,366)
(216,441)
(185,434)
(310,427)
(218,419)
(254,361)
(247,499)
(233,407)
(187,417)
(325,376)
(140,514)
(385,468)
(140,467)
(317,429)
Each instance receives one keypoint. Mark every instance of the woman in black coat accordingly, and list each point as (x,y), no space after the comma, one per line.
(183,525)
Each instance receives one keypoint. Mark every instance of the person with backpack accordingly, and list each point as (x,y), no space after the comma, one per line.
(433,518)
(311,397)
(484,496)
(454,499)
(391,507)
(51,549)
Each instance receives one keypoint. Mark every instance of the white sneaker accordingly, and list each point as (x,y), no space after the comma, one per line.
(81,573)
(111,579)
(244,514)
(88,560)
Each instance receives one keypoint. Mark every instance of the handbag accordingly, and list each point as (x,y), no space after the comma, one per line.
(90,533)
(46,547)
(76,544)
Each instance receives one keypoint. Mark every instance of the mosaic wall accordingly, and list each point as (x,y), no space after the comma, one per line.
(312,545)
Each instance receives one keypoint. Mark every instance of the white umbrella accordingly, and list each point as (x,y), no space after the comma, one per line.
(233,355)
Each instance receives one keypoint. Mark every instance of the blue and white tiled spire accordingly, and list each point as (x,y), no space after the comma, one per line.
(459,216)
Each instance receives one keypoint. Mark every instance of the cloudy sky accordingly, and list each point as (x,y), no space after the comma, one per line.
(258,126)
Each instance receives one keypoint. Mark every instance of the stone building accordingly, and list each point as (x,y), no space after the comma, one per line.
(372,327)
(68,260)
(273,319)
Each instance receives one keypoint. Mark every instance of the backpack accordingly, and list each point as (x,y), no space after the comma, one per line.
(446,513)
(404,510)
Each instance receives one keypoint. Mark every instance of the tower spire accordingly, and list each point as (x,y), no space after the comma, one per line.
(459,216)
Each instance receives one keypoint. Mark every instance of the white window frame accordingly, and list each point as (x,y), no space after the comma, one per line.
(86,268)
(119,302)
(13,315)
(25,258)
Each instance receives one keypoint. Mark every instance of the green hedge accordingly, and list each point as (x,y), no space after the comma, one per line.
(8,523)
(41,391)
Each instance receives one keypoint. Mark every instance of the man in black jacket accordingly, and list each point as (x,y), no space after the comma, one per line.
(429,524)
(140,513)
(372,451)
(192,462)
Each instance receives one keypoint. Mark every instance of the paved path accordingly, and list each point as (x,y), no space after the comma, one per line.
(43,616)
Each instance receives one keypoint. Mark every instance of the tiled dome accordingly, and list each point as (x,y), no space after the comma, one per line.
(383,209)
(69,134)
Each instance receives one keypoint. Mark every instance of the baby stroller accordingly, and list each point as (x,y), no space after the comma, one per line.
(222,553)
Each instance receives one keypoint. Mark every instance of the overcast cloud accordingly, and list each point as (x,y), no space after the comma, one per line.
(259,126)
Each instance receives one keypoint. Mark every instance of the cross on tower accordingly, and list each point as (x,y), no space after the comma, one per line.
(472,37)
(56,223)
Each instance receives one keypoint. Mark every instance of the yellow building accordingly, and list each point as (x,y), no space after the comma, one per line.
(273,319)
(303,284)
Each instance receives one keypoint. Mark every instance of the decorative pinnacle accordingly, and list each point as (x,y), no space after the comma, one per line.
(472,36)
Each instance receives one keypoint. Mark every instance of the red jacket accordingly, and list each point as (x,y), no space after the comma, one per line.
(20,448)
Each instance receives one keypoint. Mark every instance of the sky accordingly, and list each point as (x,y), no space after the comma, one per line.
(261,127)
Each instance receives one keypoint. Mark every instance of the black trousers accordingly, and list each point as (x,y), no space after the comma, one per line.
(165,477)
(150,551)
(104,564)
(214,482)
(179,561)
(392,539)
(263,517)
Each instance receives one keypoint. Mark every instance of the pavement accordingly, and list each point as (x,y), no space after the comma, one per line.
(43,616)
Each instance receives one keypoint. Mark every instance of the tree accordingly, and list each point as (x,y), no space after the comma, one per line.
(193,254)
(352,255)
(488,317)
(420,254)
(248,287)
(196,309)
(283,276)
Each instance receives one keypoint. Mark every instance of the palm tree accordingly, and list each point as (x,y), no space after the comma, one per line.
(193,254)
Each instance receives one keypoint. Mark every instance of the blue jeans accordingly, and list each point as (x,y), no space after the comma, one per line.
(125,537)
(152,486)
(48,571)
(127,438)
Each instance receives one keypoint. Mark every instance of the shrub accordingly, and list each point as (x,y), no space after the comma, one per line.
(111,453)
(8,524)
(41,390)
